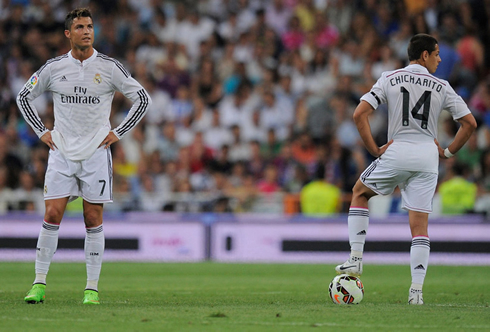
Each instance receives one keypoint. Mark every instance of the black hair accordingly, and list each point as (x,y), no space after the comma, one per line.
(319,172)
(76,13)
(420,43)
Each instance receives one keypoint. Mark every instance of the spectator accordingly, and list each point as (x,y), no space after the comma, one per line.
(192,31)
(202,115)
(255,164)
(269,183)
(240,148)
(303,149)
(305,11)
(272,147)
(13,165)
(470,155)
(174,77)
(294,36)
(458,195)
(235,109)
(277,16)
(180,106)
(472,54)
(5,191)
(167,143)
(151,52)
(165,28)
(221,162)
(229,30)
(326,34)
(320,198)
(276,115)
(216,135)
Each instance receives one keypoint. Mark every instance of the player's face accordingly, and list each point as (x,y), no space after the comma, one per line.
(433,60)
(81,33)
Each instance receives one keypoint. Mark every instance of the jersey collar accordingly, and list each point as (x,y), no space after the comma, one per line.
(85,62)
(417,68)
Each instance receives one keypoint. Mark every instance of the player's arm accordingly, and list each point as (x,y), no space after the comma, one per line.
(468,126)
(110,139)
(132,90)
(35,86)
(361,119)
(456,106)
(141,102)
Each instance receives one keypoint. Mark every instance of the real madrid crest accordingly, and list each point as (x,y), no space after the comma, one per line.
(97,79)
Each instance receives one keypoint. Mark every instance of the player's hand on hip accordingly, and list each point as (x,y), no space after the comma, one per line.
(384,148)
(109,140)
(48,140)
(439,149)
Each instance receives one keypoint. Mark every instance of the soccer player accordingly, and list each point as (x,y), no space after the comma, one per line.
(410,158)
(83,83)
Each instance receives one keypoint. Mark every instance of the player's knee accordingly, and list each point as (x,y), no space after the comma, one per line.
(92,218)
(360,191)
(53,214)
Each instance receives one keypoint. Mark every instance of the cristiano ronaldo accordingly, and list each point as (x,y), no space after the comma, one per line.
(82,82)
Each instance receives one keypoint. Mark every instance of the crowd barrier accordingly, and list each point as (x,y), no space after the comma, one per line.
(175,237)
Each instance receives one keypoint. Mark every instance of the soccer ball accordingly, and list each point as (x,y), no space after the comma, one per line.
(346,289)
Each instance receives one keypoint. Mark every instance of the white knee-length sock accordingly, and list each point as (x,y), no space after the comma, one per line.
(419,260)
(94,249)
(47,243)
(357,223)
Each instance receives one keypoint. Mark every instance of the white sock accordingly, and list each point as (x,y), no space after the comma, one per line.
(94,249)
(357,223)
(419,260)
(47,243)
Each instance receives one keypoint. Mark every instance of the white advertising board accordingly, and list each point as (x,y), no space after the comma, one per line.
(328,243)
(125,241)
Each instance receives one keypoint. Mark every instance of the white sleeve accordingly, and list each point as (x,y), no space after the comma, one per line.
(454,104)
(34,87)
(376,96)
(131,89)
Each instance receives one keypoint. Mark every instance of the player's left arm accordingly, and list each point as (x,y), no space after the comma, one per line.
(455,105)
(110,139)
(131,89)
(468,126)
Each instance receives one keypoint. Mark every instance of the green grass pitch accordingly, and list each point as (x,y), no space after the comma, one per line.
(242,297)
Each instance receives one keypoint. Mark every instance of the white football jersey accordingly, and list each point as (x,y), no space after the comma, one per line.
(415,100)
(82,97)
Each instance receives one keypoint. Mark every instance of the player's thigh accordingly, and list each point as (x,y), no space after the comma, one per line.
(96,177)
(418,191)
(60,179)
(381,178)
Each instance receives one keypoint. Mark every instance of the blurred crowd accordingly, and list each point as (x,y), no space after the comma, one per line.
(252,99)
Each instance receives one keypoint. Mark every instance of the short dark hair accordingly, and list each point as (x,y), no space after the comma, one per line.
(76,13)
(420,43)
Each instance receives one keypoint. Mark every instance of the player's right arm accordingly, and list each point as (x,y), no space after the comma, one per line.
(361,119)
(369,102)
(48,140)
(35,86)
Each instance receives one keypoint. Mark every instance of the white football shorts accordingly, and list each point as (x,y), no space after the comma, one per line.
(90,179)
(417,188)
